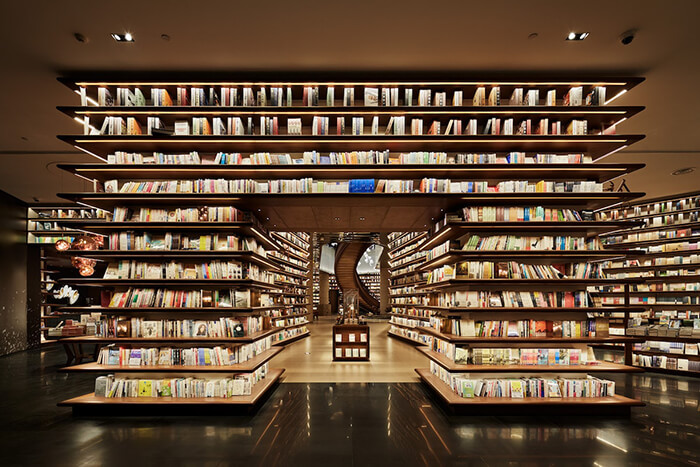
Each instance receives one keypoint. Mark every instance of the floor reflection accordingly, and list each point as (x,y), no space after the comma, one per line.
(340,424)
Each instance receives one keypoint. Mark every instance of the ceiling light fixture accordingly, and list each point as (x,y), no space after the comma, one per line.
(683,171)
(576,36)
(127,37)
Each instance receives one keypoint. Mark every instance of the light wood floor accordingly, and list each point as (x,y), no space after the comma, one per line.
(310,359)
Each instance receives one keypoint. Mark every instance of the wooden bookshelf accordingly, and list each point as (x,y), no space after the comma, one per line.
(344,345)
(275,217)
(659,215)
(245,367)
(615,405)
(599,367)
(90,403)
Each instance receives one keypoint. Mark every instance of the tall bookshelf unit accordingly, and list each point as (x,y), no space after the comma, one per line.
(43,231)
(293,276)
(373,129)
(669,264)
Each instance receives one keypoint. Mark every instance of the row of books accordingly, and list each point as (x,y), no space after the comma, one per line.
(309,185)
(680,260)
(411,311)
(184,387)
(676,348)
(513,270)
(410,334)
(289,333)
(518,388)
(597,327)
(514,214)
(679,300)
(345,158)
(669,219)
(658,287)
(410,322)
(519,243)
(402,240)
(169,298)
(198,214)
(177,356)
(664,362)
(232,270)
(302,245)
(654,235)
(127,241)
(143,328)
(289,321)
(247,96)
(514,299)
(673,246)
(663,207)
(514,356)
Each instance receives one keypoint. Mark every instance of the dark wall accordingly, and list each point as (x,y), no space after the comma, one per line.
(13,274)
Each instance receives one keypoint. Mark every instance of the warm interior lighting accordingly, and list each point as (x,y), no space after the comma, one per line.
(89,99)
(611,153)
(576,36)
(349,83)
(615,96)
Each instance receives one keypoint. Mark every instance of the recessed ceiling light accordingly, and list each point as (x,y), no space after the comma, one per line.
(362,218)
(337,218)
(576,36)
(683,171)
(127,37)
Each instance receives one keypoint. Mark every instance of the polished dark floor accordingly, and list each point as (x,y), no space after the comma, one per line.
(337,425)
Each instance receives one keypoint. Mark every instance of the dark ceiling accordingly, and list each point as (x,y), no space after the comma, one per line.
(465,37)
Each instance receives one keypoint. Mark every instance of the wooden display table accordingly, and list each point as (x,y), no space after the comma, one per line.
(351,342)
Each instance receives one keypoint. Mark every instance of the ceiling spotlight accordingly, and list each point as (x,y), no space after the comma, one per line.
(683,171)
(123,37)
(362,218)
(337,218)
(576,36)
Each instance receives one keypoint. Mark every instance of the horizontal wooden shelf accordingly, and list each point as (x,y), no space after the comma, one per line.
(669,371)
(404,338)
(298,80)
(641,293)
(594,145)
(659,267)
(91,281)
(299,250)
(246,256)
(665,354)
(409,273)
(168,310)
(406,264)
(487,172)
(456,229)
(245,367)
(55,233)
(528,340)
(595,115)
(644,229)
(288,340)
(542,309)
(289,254)
(403,315)
(414,240)
(446,201)
(138,340)
(524,256)
(241,227)
(688,340)
(660,241)
(599,367)
(509,284)
(451,398)
(257,391)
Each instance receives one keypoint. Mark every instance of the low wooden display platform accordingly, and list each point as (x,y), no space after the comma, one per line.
(247,366)
(89,404)
(615,405)
(600,367)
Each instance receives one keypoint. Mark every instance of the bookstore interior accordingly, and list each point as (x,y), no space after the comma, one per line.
(354,262)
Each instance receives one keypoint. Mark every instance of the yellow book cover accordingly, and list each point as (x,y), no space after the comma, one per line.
(145,387)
